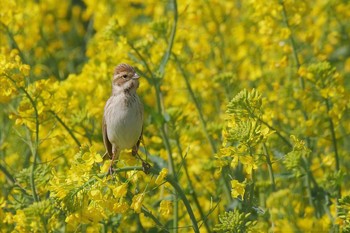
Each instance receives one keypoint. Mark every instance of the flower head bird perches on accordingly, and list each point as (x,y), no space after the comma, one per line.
(123,114)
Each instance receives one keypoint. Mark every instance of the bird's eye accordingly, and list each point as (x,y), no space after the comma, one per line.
(125,76)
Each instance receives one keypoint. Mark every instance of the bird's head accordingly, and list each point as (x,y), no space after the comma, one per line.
(125,79)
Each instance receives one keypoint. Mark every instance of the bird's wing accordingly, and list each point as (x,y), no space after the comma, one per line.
(108,144)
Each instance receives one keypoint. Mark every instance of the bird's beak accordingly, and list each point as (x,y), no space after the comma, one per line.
(136,76)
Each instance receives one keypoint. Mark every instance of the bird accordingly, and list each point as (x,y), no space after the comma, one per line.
(122,125)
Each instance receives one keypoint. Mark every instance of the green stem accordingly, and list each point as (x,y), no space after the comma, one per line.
(66,128)
(295,54)
(44,222)
(170,43)
(276,131)
(8,175)
(334,139)
(202,121)
(152,78)
(192,190)
(218,24)
(182,195)
(270,127)
(163,129)
(104,227)
(269,166)
(12,180)
(335,147)
(197,105)
(34,148)
(161,110)
(150,215)
(310,180)
(292,41)
(14,42)
(171,163)
(156,81)
(251,191)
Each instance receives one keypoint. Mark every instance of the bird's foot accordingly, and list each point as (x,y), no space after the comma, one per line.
(146,167)
(110,170)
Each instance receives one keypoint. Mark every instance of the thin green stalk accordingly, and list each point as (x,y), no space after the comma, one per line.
(156,81)
(335,147)
(152,78)
(218,24)
(310,180)
(44,222)
(167,54)
(309,175)
(202,120)
(160,106)
(334,139)
(292,41)
(12,180)
(182,195)
(160,109)
(66,128)
(34,148)
(8,175)
(104,227)
(269,166)
(295,54)
(296,59)
(192,190)
(155,220)
(14,42)
(270,127)
(171,164)
(251,192)
(197,105)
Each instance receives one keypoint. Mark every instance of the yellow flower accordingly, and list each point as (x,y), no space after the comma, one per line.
(120,191)
(238,189)
(161,176)
(234,162)
(137,202)
(165,208)
(96,194)
(120,207)
(104,168)
(226,151)
(249,164)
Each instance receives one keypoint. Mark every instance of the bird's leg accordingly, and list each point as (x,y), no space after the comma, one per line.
(145,165)
(114,156)
(135,150)
(110,169)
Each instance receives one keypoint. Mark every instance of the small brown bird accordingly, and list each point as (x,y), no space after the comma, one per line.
(123,114)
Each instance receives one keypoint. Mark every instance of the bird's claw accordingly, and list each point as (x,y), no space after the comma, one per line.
(146,167)
(110,170)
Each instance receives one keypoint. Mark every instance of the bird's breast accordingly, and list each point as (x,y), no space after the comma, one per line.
(124,119)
